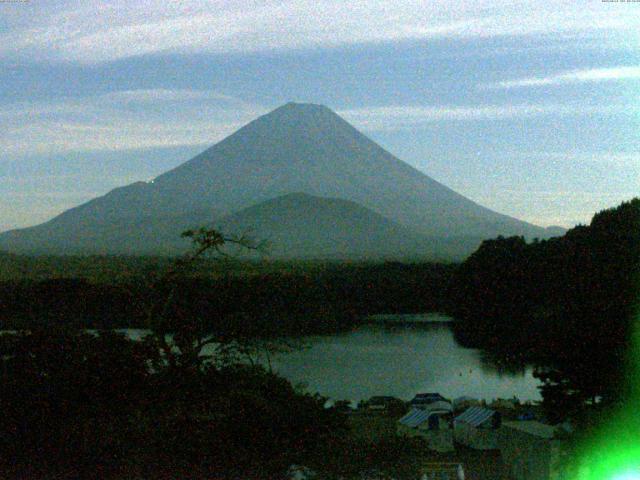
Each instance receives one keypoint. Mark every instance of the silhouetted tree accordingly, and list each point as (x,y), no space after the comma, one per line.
(81,404)
(565,304)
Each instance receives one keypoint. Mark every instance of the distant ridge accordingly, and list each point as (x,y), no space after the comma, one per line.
(303,148)
(300,225)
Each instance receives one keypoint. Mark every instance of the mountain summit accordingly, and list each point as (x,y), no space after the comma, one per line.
(302,148)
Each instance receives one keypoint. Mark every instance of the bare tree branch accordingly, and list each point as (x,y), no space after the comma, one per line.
(204,241)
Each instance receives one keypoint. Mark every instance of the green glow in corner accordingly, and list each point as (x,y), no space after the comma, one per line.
(616,464)
(627,476)
(614,454)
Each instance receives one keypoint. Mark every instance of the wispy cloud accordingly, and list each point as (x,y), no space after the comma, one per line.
(55,137)
(395,117)
(574,76)
(152,118)
(94,33)
(613,159)
(113,100)
(164,95)
(166,118)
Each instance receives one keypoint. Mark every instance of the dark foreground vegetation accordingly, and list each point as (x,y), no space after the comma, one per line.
(81,404)
(566,305)
(281,299)
(195,404)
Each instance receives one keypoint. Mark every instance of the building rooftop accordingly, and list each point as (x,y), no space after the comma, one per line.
(533,427)
(476,416)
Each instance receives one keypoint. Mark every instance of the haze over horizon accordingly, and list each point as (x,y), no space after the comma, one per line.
(528,108)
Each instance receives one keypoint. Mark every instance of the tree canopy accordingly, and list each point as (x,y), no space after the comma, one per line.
(565,304)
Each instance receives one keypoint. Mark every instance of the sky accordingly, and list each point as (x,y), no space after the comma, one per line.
(531,108)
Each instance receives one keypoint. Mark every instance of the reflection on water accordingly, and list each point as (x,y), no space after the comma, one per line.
(501,366)
(400,360)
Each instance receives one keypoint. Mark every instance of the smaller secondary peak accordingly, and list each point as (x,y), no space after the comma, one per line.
(298,195)
(295,197)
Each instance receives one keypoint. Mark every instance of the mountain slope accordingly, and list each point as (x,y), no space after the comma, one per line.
(295,148)
(304,226)
(308,148)
(123,235)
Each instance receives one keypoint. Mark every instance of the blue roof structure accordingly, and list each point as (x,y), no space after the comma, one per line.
(475,416)
(415,417)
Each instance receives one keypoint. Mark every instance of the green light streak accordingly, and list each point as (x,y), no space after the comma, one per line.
(614,452)
(627,476)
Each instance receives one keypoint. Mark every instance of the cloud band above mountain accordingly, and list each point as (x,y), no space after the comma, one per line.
(575,76)
(95,33)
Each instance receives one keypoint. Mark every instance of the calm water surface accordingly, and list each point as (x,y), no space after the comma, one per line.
(400,360)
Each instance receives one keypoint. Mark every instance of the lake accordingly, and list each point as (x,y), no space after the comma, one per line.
(398,355)
(400,359)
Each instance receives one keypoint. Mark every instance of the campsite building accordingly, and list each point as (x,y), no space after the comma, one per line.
(382,402)
(478,428)
(443,471)
(422,400)
(530,449)
(505,404)
(434,423)
(462,403)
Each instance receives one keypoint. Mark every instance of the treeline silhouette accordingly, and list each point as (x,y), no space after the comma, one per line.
(189,399)
(77,405)
(95,404)
(287,302)
(566,305)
